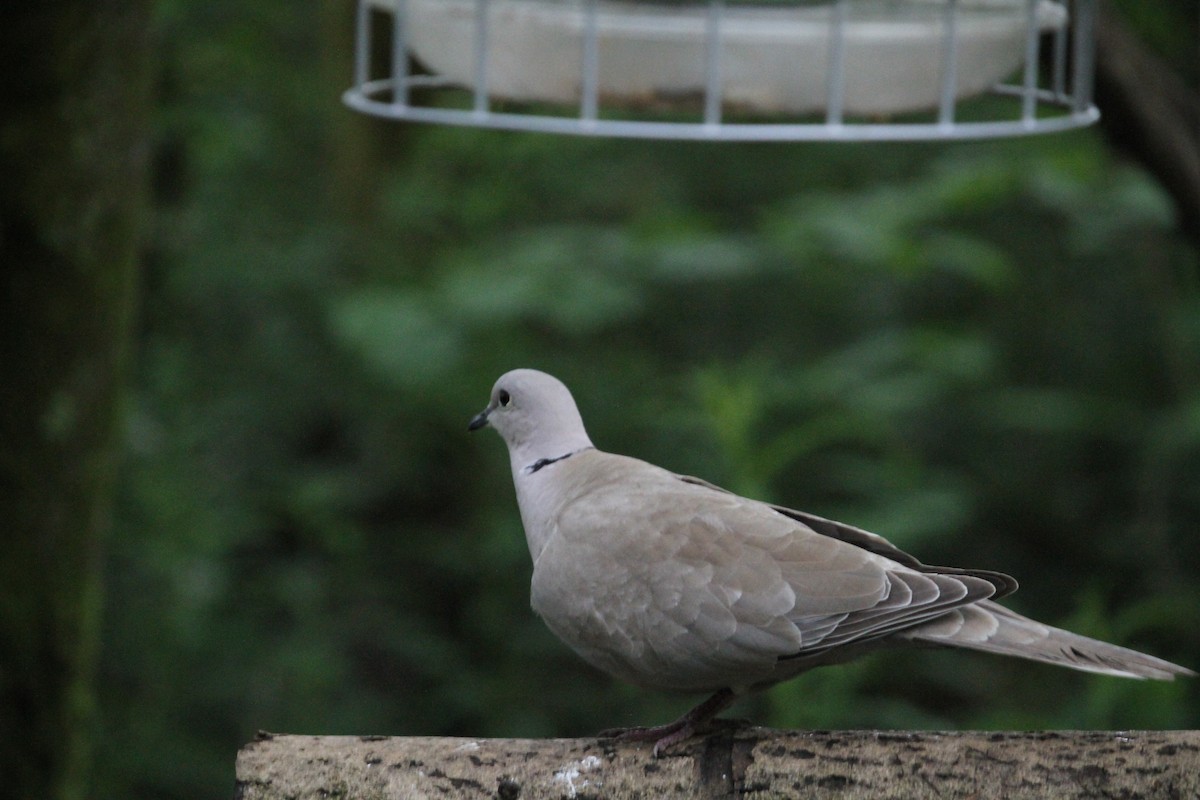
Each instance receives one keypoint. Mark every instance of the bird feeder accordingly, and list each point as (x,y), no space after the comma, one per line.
(781,70)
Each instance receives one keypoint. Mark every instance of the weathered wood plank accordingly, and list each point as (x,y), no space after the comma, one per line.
(733,762)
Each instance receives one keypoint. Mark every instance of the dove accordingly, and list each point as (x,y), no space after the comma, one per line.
(672,583)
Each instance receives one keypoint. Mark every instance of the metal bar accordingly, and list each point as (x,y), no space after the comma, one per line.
(1043,95)
(835,86)
(712,62)
(949,77)
(400,54)
(1060,61)
(1032,45)
(1084,53)
(362,43)
(481,56)
(590,78)
(360,100)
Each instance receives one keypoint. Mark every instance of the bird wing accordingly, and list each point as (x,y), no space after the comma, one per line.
(662,580)
(873,542)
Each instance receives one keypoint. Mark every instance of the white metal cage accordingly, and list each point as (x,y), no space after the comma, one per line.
(767,70)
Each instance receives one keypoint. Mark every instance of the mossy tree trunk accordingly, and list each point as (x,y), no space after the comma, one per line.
(73,143)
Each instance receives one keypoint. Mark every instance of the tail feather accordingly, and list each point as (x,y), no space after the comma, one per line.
(992,628)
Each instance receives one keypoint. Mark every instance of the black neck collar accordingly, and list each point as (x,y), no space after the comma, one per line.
(545,462)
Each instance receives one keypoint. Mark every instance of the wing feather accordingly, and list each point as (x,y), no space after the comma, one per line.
(1004,584)
(677,584)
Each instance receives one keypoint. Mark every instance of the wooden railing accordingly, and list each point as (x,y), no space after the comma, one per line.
(731,762)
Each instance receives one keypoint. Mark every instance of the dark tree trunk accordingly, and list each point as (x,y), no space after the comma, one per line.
(73,142)
(1151,113)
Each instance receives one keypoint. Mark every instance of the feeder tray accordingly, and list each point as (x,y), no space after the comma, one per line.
(723,70)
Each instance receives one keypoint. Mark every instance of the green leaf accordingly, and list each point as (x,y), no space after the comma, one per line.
(398,335)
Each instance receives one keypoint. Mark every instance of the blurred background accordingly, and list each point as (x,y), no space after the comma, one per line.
(243,329)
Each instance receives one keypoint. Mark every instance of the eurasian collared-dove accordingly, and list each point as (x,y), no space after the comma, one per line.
(670,582)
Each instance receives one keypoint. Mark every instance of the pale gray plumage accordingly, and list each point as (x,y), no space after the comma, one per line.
(670,582)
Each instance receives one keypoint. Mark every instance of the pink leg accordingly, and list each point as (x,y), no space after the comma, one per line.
(685,727)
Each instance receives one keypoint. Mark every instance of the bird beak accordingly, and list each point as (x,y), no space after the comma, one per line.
(480,420)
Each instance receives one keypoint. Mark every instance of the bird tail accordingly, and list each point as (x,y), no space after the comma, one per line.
(992,628)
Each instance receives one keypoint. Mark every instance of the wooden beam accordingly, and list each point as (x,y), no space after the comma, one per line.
(731,762)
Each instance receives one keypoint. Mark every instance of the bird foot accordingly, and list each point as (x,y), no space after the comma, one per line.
(663,736)
(696,721)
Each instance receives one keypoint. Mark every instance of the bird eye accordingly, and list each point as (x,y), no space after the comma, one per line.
(504,398)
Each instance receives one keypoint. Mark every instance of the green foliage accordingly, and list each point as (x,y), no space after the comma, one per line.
(987,353)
